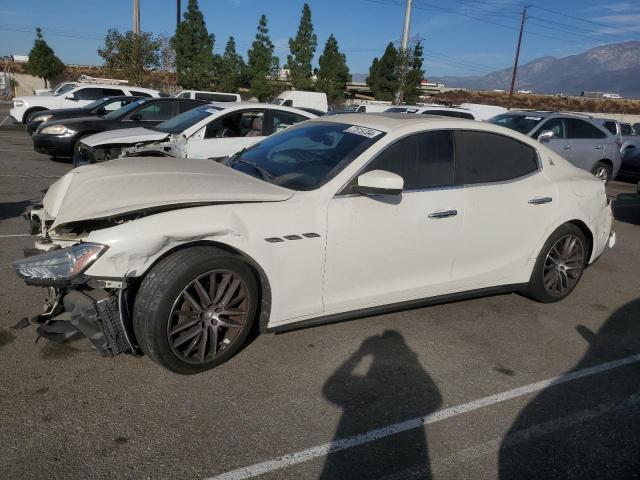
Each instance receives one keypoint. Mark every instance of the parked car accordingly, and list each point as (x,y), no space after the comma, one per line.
(302,99)
(525,92)
(333,218)
(630,139)
(440,110)
(61,138)
(365,108)
(210,131)
(72,96)
(631,164)
(52,91)
(94,109)
(208,96)
(581,139)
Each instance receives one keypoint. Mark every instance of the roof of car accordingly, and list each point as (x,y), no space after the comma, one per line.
(389,121)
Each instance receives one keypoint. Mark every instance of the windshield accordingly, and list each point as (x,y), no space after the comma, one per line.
(180,123)
(62,89)
(97,103)
(124,110)
(305,157)
(522,122)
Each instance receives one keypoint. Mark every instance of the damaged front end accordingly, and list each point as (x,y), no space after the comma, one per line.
(79,306)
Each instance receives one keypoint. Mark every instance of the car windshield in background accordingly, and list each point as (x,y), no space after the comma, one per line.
(124,110)
(522,123)
(180,123)
(64,89)
(401,110)
(97,103)
(305,157)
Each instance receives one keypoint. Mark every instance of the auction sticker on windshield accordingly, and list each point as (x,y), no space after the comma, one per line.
(533,118)
(363,131)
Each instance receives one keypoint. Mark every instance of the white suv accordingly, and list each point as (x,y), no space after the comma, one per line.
(74,96)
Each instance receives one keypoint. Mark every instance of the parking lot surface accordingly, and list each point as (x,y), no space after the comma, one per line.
(494,388)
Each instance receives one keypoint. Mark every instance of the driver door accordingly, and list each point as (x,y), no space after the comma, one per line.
(560,142)
(387,249)
(228,134)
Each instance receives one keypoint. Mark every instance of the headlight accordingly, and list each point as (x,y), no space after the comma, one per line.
(57,130)
(59,266)
(41,118)
(18,103)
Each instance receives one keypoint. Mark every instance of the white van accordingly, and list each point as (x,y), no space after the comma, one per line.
(309,101)
(208,96)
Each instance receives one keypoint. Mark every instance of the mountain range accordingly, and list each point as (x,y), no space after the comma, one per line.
(613,68)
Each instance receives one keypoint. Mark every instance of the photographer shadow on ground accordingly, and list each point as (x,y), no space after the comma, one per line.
(587,427)
(381,384)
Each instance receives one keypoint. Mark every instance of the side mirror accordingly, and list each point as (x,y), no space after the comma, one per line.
(379,182)
(546,136)
(71,97)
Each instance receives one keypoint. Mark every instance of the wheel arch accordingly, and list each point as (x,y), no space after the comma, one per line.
(264,287)
(587,233)
(31,110)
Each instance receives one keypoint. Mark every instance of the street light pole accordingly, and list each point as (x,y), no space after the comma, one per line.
(177,14)
(136,17)
(515,63)
(404,52)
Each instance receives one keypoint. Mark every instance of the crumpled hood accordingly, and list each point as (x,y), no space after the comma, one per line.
(130,185)
(124,136)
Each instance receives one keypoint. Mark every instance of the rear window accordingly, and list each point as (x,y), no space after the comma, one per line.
(483,157)
(522,123)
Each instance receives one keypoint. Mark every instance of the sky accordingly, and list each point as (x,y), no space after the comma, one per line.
(460,37)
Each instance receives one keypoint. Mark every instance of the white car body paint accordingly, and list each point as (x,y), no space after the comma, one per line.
(370,251)
(49,102)
(191,142)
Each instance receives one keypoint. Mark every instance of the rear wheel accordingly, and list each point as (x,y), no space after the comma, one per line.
(602,171)
(195,309)
(559,266)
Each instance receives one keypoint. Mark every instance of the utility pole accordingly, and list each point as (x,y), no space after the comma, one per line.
(515,63)
(136,17)
(404,52)
(177,14)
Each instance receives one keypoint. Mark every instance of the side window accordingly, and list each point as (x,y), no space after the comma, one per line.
(555,125)
(611,126)
(625,129)
(140,94)
(483,157)
(581,129)
(154,112)
(90,93)
(116,105)
(284,120)
(423,160)
(246,123)
(111,92)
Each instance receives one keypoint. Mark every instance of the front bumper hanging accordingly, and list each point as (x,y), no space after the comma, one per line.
(92,313)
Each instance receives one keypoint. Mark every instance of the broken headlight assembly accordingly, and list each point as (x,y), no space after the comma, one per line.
(58,267)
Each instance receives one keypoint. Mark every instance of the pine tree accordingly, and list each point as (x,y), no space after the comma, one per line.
(333,74)
(414,75)
(194,50)
(383,75)
(302,50)
(263,65)
(230,68)
(43,62)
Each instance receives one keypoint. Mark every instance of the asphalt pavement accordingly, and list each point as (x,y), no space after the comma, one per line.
(493,388)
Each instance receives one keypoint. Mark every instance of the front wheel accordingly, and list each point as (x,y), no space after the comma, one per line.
(559,266)
(195,309)
(602,171)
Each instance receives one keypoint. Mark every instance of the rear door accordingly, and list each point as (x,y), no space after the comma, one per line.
(560,142)
(508,205)
(279,120)
(587,141)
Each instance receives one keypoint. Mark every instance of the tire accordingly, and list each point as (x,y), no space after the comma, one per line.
(603,171)
(554,263)
(166,322)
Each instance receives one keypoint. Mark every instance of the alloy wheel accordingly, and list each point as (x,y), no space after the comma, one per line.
(563,265)
(602,173)
(208,315)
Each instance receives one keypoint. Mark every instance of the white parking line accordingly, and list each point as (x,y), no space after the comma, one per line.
(373,435)
(16,235)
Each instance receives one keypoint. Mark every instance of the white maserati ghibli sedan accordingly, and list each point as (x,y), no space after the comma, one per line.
(337,217)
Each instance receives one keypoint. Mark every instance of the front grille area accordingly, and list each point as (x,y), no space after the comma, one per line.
(109,315)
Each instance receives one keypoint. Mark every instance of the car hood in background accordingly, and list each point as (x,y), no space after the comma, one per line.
(124,136)
(140,184)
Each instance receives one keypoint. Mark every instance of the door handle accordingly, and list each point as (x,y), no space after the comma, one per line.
(567,147)
(598,147)
(443,214)
(540,200)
